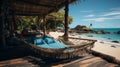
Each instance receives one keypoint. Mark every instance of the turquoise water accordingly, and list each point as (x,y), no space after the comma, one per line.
(112,30)
(106,37)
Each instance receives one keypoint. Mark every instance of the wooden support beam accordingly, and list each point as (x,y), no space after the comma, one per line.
(38,22)
(55,23)
(27,14)
(44,27)
(66,20)
(14,21)
(34,3)
(10,27)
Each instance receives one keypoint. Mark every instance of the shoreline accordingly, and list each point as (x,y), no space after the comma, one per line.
(109,42)
(106,37)
(100,46)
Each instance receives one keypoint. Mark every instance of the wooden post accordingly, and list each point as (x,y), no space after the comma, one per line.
(14,22)
(66,20)
(55,23)
(44,27)
(38,22)
(11,22)
(9,18)
(2,18)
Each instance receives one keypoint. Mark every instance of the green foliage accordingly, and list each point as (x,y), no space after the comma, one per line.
(53,20)
(25,22)
(50,24)
(58,19)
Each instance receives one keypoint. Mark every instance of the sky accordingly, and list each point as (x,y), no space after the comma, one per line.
(99,13)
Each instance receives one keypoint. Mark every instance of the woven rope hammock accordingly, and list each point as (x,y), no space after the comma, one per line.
(70,51)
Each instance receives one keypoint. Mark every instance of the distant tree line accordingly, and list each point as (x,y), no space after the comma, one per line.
(53,21)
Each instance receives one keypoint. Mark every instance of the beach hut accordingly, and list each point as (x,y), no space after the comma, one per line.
(11,8)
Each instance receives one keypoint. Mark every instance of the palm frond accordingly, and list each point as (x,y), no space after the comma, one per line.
(77,1)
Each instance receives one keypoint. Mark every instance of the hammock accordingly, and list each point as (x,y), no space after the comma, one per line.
(48,42)
(50,48)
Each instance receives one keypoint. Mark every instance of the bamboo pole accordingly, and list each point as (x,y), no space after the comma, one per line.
(66,20)
(55,23)
(14,22)
(38,22)
(44,28)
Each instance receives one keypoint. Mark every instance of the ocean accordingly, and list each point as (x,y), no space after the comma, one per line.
(106,37)
(112,30)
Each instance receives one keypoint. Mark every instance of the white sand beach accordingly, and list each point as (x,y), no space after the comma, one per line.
(101,47)
(107,49)
(57,34)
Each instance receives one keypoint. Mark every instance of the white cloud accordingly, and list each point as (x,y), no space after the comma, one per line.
(116,17)
(102,19)
(87,11)
(116,9)
(96,19)
(90,15)
(112,13)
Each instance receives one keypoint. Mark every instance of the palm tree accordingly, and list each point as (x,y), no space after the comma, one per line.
(66,18)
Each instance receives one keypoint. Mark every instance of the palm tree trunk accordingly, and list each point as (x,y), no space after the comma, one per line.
(66,20)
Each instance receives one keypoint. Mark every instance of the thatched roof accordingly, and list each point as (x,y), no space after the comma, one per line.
(35,7)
